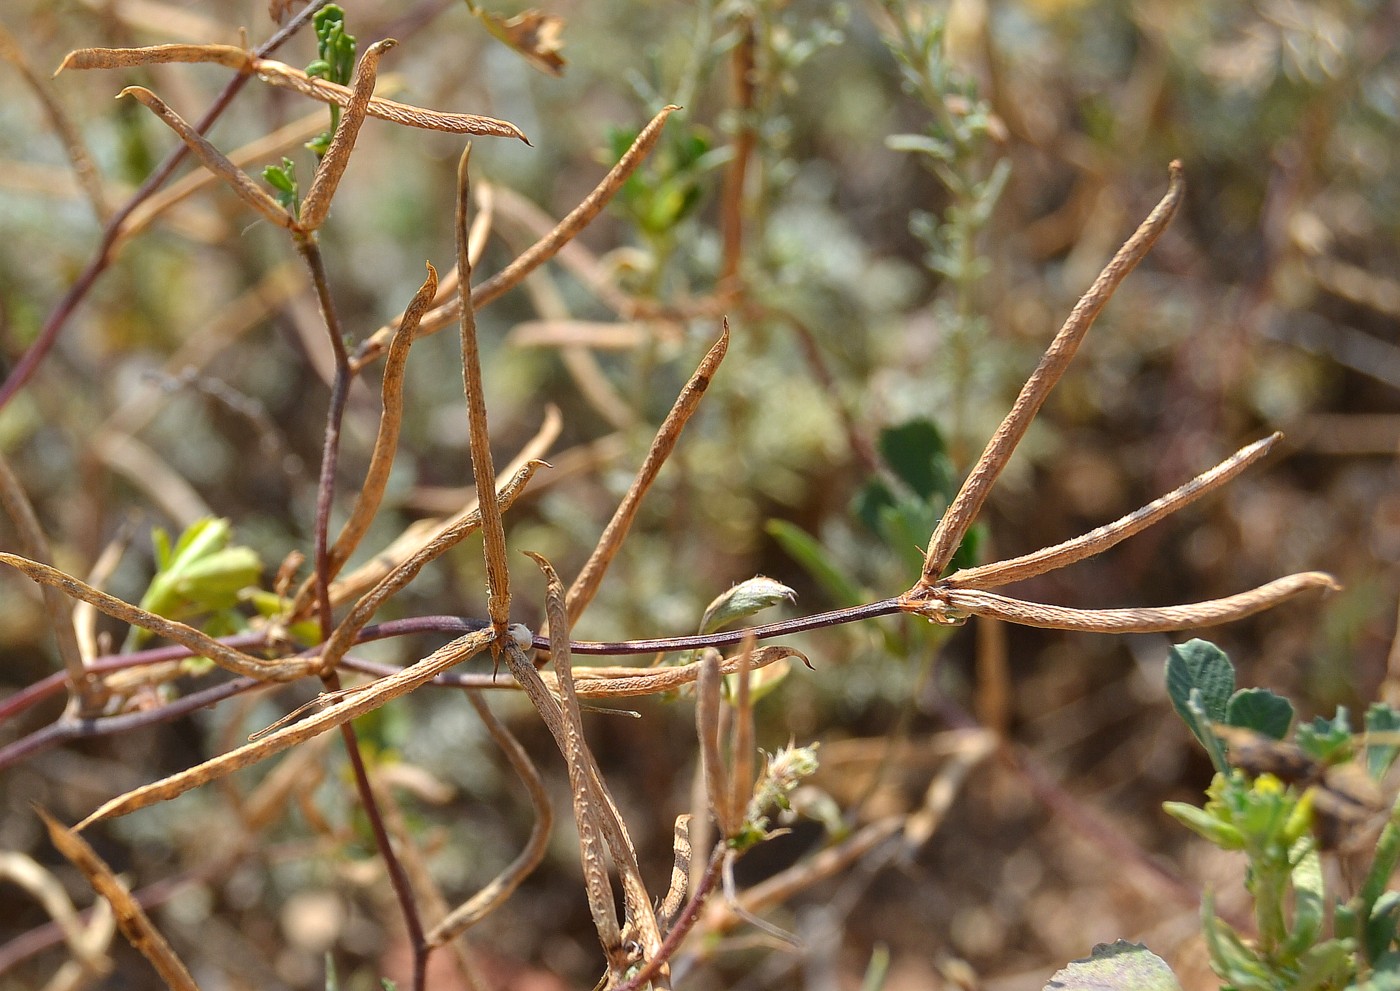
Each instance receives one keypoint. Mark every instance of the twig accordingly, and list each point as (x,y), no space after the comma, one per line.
(585,586)
(492,527)
(542,250)
(24,369)
(968,502)
(366,699)
(135,925)
(485,901)
(684,923)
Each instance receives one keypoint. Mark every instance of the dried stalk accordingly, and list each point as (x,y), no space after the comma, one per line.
(1102,538)
(492,526)
(346,634)
(585,789)
(485,901)
(135,925)
(707,728)
(280,74)
(386,440)
(317,203)
(214,160)
(954,604)
(366,699)
(968,502)
(585,586)
(199,644)
(539,252)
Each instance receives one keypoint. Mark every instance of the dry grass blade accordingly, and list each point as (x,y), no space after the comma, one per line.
(200,644)
(492,526)
(135,925)
(953,604)
(585,586)
(281,74)
(60,611)
(344,636)
(386,441)
(328,174)
(585,789)
(707,702)
(968,502)
(485,901)
(1101,539)
(621,682)
(213,159)
(366,699)
(543,249)
(674,899)
(125,58)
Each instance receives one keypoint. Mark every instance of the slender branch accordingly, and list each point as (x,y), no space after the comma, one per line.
(398,877)
(48,334)
(968,502)
(585,586)
(483,470)
(335,414)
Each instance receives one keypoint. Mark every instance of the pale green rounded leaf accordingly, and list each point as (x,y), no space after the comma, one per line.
(744,599)
(1117,966)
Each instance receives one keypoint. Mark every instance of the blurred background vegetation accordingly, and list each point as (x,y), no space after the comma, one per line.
(930,188)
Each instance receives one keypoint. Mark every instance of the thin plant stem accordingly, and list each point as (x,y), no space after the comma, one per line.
(968,502)
(398,877)
(492,526)
(67,304)
(330,451)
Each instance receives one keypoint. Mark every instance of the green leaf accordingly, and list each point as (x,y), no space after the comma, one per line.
(283,179)
(743,600)
(1117,966)
(1260,710)
(1381,927)
(807,551)
(1233,961)
(1328,741)
(1326,965)
(200,574)
(917,454)
(1200,665)
(1222,834)
(1199,722)
(1309,899)
(1381,718)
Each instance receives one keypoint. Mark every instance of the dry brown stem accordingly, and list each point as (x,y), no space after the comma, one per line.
(968,502)
(492,526)
(135,925)
(485,901)
(317,202)
(199,643)
(366,699)
(585,586)
(280,74)
(386,440)
(542,250)
(214,160)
